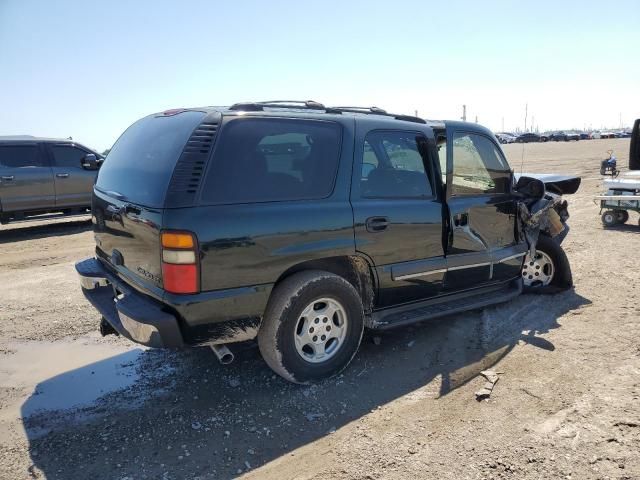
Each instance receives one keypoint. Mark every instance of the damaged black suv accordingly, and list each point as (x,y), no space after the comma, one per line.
(301,225)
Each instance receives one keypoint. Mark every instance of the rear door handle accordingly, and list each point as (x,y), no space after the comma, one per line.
(8,178)
(376,224)
(62,175)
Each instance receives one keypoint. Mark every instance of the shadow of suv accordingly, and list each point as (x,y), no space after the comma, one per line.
(301,225)
(44,175)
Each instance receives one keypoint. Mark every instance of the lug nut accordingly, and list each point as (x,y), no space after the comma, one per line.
(315,339)
(323,337)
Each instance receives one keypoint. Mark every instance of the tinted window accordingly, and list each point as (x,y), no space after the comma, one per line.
(67,156)
(20,156)
(140,164)
(478,166)
(399,167)
(263,160)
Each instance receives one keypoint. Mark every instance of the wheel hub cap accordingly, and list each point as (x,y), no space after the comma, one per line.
(537,271)
(320,330)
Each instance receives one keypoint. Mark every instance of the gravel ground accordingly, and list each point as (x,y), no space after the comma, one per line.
(566,405)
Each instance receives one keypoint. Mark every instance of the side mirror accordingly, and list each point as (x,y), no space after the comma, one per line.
(90,162)
(530,187)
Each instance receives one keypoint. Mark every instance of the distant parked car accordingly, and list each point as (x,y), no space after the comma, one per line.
(573,136)
(595,135)
(585,136)
(45,175)
(528,138)
(558,137)
(505,138)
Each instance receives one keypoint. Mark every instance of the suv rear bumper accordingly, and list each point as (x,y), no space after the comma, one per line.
(131,314)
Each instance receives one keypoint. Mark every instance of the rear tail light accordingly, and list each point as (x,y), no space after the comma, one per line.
(180,269)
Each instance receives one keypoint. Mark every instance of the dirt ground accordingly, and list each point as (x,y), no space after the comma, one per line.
(567,405)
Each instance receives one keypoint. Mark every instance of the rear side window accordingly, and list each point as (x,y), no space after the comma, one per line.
(267,160)
(67,156)
(140,164)
(20,156)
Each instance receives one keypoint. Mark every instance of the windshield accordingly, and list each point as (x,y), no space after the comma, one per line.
(138,168)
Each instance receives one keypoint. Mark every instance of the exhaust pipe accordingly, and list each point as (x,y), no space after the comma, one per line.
(223,353)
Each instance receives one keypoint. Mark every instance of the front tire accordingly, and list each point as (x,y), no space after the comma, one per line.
(312,326)
(550,271)
(609,218)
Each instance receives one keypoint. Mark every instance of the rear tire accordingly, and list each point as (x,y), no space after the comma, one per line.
(609,218)
(312,326)
(558,273)
(622,216)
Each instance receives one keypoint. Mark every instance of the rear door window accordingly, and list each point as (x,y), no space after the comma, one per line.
(273,159)
(140,164)
(393,167)
(21,156)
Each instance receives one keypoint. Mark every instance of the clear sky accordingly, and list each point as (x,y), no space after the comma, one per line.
(88,69)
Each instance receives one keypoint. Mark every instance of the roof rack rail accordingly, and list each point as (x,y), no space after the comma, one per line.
(313,105)
(379,111)
(260,106)
(375,110)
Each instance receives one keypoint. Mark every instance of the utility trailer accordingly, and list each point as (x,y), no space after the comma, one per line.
(623,194)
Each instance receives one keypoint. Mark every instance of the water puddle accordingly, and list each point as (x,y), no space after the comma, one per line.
(64,375)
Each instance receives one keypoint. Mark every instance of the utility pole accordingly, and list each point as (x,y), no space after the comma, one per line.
(416,113)
(533,123)
(526,111)
(476,118)
(464,113)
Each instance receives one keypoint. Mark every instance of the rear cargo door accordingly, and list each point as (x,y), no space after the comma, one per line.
(130,193)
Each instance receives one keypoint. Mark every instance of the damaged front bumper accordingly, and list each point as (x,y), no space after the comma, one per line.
(549,215)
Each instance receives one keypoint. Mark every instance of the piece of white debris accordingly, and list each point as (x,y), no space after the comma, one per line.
(492,378)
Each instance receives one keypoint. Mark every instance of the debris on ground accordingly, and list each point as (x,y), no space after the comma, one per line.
(492,378)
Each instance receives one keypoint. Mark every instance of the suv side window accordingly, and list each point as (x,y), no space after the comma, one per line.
(21,156)
(67,156)
(478,166)
(398,167)
(269,159)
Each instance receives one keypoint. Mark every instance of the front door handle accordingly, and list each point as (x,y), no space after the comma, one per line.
(376,224)
(62,175)
(8,178)
(461,219)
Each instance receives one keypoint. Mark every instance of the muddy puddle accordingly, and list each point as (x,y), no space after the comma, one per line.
(47,376)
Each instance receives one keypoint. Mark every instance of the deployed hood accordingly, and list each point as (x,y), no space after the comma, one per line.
(555,183)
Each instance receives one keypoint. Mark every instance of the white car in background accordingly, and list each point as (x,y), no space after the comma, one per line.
(505,138)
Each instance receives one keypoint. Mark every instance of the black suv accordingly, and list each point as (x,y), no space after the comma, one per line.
(301,225)
(45,175)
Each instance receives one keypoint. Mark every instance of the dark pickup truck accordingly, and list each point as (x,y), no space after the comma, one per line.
(301,225)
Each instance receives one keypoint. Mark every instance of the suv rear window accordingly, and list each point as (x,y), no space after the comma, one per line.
(141,163)
(273,159)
